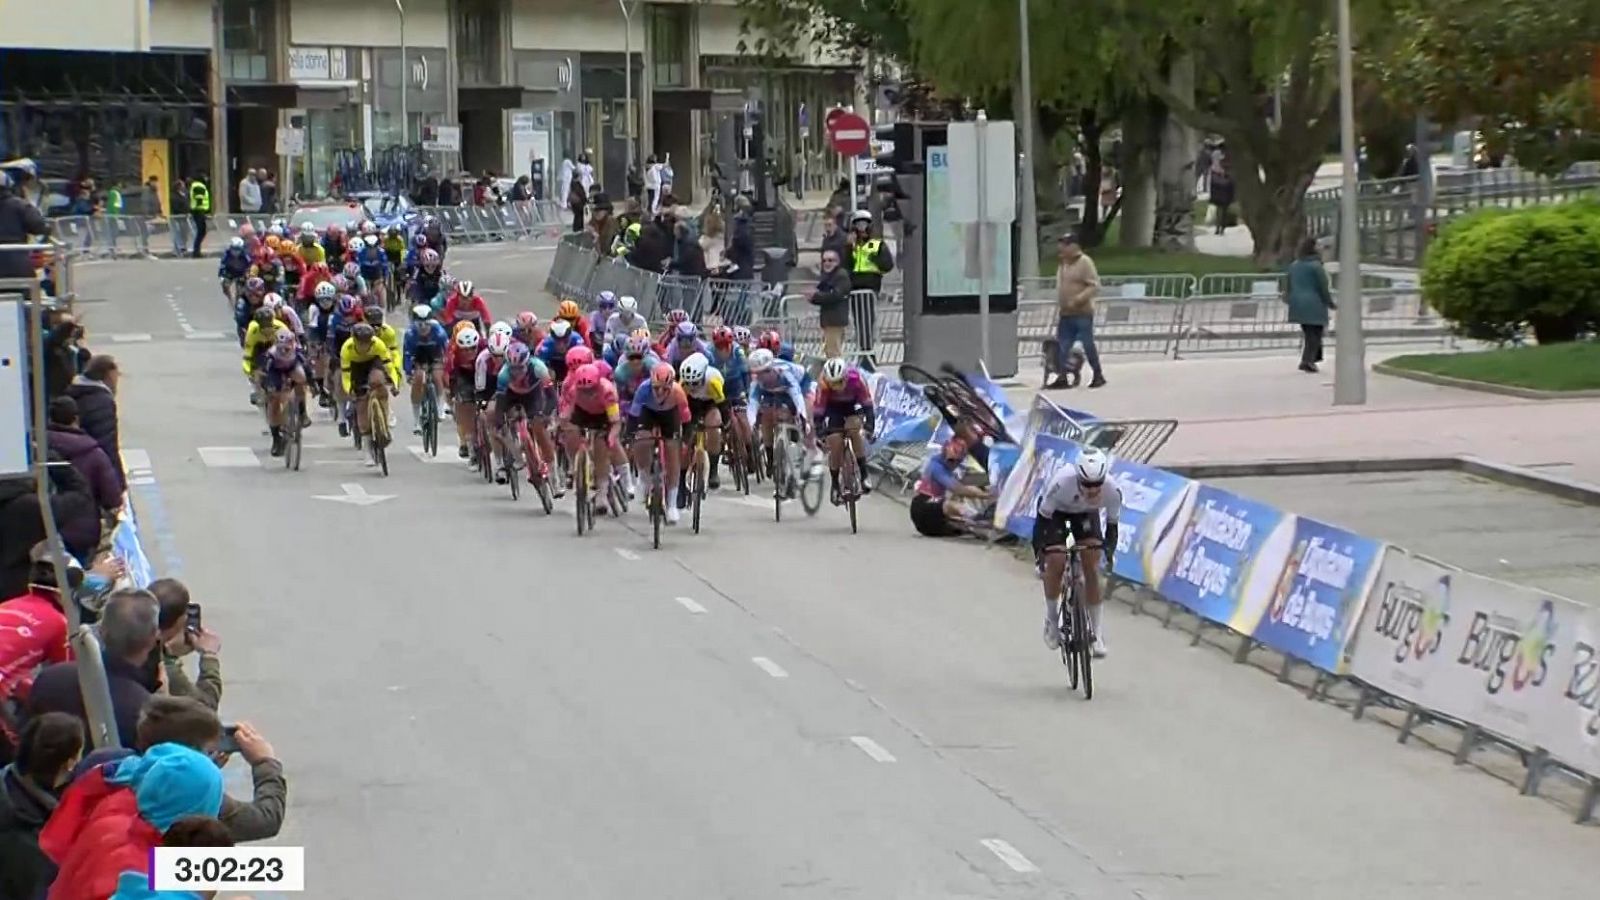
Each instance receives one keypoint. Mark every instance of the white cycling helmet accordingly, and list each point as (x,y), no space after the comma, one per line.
(325,291)
(500,328)
(499,342)
(307,228)
(369,227)
(560,327)
(692,372)
(1093,467)
(760,360)
(464,287)
(833,371)
(237,243)
(627,304)
(272,302)
(468,339)
(371,240)
(421,311)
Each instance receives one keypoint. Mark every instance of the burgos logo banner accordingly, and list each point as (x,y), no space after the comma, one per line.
(1312,606)
(1043,457)
(1151,501)
(1221,544)
(904,415)
(1573,732)
(1401,640)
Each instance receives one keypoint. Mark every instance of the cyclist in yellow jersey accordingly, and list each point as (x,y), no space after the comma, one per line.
(365,361)
(258,339)
(708,409)
(309,249)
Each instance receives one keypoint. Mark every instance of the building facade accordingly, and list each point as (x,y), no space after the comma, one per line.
(512,87)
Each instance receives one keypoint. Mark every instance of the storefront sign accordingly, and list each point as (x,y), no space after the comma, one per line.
(564,74)
(318,64)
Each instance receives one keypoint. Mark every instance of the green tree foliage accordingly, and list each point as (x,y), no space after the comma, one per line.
(777,28)
(1522,68)
(1496,271)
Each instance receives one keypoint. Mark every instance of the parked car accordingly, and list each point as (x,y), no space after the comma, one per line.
(321,214)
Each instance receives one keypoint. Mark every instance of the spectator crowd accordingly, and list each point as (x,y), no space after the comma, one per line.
(84,802)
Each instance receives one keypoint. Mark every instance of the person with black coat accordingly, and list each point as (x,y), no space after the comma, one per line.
(654,247)
(741,252)
(688,257)
(832,300)
(96,394)
(129,630)
(30,787)
(20,223)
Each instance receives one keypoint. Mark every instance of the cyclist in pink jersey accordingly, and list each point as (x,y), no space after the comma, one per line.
(589,403)
(843,400)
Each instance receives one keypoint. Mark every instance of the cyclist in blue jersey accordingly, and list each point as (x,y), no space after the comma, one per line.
(729,358)
(427,282)
(633,369)
(234,268)
(374,262)
(346,316)
(424,345)
(780,390)
(553,349)
(685,343)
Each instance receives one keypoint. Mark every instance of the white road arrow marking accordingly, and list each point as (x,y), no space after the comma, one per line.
(355,495)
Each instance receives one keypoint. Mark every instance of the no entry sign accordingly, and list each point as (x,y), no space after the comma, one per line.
(848,133)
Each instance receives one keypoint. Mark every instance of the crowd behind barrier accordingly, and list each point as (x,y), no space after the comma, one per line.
(115,237)
(1506,664)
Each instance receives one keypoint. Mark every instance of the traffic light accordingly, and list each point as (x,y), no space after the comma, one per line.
(893,155)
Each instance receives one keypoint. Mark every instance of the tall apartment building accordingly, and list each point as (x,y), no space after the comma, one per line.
(94,85)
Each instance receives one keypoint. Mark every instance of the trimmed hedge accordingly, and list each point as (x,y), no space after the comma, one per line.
(1497,271)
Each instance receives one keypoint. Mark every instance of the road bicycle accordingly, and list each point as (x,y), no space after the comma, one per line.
(791,477)
(699,469)
(583,481)
(1073,623)
(736,454)
(849,481)
(656,500)
(378,421)
(293,434)
(521,449)
(428,414)
(482,449)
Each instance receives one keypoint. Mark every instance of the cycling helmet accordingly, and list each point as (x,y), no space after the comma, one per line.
(1093,467)
(285,336)
(462,326)
(394,228)
(527,321)
(363,332)
(420,241)
(833,371)
(464,287)
(373,315)
(371,240)
(499,341)
(627,304)
(741,335)
(760,360)
(264,316)
(568,310)
(501,328)
(559,328)
(860,216)
(236,244)
(270,254)
(422,312)
(662,376)
(306,228)
(369,228)
(693,371)
(468,339)
(517,355)
(770,340)
(247,230)
(586,377)
(637,346)
(677,316)
(341,283)
(722,336)
(351,270)
(430,257)
(686,330)
(272,302)
(786,351)
(348,306)
(308,238)
(324,291)
(607,300)
(580,355)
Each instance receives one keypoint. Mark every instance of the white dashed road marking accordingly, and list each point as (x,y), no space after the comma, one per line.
(627,554)
(192,335)
(131,338)
(229,458)
(1009,855)
(775,670)
(873,749)
(690,605)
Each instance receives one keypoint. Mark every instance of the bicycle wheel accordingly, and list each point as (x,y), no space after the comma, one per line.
(812,489)
(780,475)
(291,452)
(1080,617)
(582,498)
(697,486)
(512,465)
(658,498)
(380,434)
(430,418)
(852,488)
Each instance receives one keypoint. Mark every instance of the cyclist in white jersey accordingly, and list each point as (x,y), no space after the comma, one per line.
(1072,503)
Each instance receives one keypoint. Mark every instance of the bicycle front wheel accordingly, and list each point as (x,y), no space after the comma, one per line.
(581,501)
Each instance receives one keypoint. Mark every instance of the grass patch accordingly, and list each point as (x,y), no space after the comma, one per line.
(1556,367)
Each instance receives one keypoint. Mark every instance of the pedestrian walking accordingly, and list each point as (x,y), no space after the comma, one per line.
(1077,288)
(199,211)
(1221,191)
(1309,299)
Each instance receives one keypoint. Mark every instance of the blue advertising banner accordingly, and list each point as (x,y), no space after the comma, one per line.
(1221,541)
(1317,599)
(1151,500)
(1042,457)
(904,415)
(125,546)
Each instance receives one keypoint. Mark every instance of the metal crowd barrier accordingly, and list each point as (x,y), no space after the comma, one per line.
(127,237)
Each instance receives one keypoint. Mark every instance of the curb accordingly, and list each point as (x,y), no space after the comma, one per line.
(1515,476)
(1482,386)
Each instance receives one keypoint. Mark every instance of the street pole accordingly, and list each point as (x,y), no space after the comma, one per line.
(1350,374)
(1029,211)
(627,82)
(405,77)
(982,139)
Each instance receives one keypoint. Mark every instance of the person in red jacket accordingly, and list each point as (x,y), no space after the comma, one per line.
(465,305)
(33,633)
(112,817)
(317,274)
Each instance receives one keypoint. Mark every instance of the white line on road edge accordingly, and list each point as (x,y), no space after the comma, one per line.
(690,605)
(776,671)
(627,554)
(1009,855)
(873,749)
(139,338)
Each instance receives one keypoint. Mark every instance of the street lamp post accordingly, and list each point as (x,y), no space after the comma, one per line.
(1029,211)
(1349,373)
(405,77)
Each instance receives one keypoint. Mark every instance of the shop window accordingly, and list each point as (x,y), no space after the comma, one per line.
(669,45)
(478,41)
(247,40)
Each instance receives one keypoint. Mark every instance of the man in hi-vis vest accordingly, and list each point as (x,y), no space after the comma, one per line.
(870,260)
(199,210)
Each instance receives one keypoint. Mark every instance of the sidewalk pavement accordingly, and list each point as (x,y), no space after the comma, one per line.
(1260,408)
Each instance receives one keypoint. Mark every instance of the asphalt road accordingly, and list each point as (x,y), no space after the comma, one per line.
(466,693)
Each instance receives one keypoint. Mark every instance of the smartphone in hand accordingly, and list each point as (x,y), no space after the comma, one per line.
(230,741)
(192,619)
